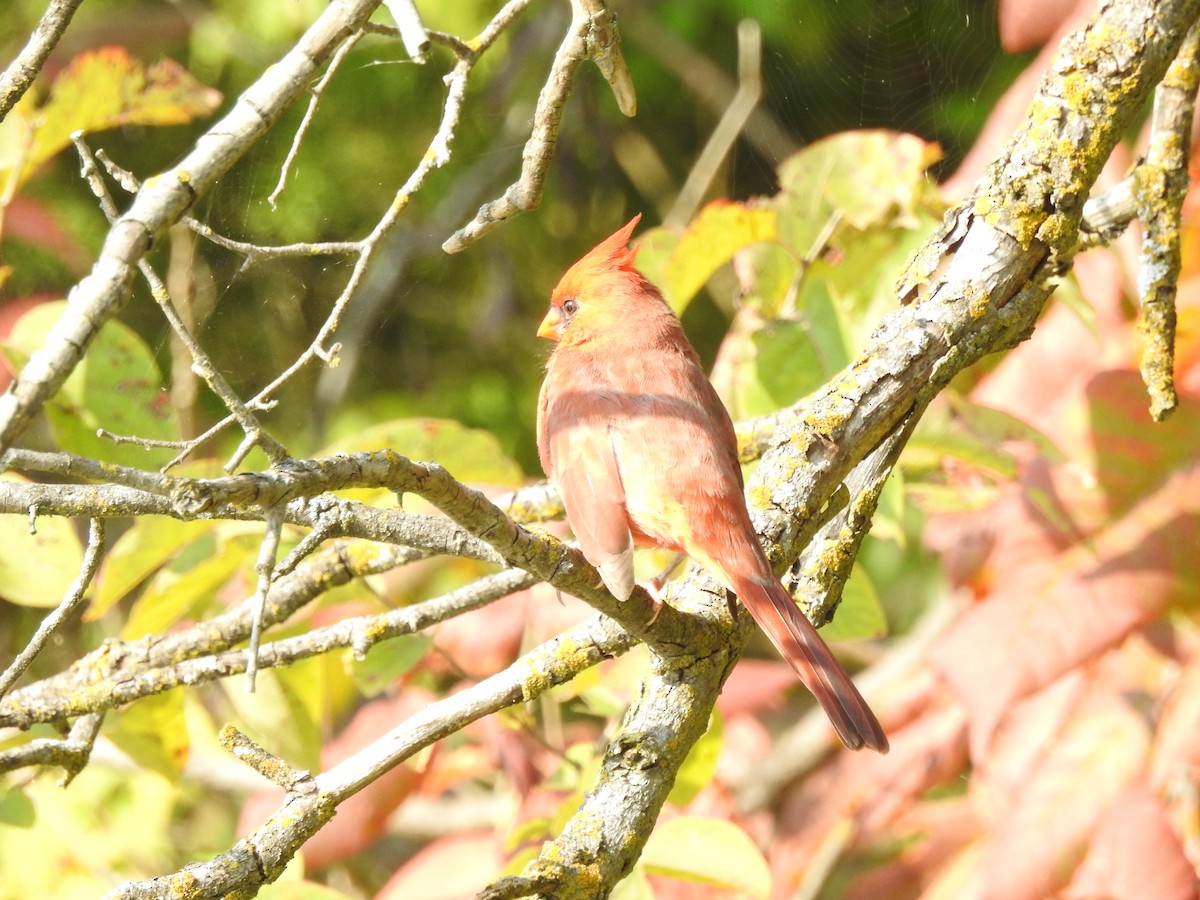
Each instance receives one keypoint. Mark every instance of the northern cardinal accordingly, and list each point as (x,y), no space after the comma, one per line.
(643,452)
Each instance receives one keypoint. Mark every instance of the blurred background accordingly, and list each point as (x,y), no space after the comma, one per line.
(1031,574)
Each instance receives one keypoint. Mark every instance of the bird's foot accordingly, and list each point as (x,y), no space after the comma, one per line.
(665,575)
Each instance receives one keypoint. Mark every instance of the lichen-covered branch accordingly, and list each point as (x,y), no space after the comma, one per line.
(1160,186)
(826,558)
(602,841)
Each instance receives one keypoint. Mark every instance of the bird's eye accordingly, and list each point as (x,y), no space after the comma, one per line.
(570,307)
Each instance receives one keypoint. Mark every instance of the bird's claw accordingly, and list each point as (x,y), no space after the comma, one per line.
(653,588)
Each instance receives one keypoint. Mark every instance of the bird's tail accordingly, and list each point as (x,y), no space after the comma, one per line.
(796,639)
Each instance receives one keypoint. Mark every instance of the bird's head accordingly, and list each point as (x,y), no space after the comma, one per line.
(597,291)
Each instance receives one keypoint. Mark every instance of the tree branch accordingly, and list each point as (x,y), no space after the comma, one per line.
(25,68)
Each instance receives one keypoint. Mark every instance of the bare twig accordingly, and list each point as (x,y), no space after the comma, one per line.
(25,68)
(413,33)
(592,35)
(707,82)
(437,156)
(733,120)
(314,101)
(1107,215)
(253,253)
(265,567)
(70,602)
(262,761)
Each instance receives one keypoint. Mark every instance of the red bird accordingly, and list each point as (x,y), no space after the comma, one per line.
(643,452)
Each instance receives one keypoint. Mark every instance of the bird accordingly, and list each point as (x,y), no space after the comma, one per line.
(643,453)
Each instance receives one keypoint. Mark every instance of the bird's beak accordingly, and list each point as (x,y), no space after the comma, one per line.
(552,326)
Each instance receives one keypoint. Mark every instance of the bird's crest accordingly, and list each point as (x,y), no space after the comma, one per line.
(613,254)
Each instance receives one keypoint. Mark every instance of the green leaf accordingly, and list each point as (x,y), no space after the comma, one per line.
(655,247)
(16,809)
(860,614)
(994,426)
(37,569)
(700,766)
(284,712)
(142,550)
(867,176)
(711,851)
(385,662)
(109,821)
(634,886)
(153,732)
(888,522)
(1069,295)
(470,454)
(788,365)
(299,890)
(116,386)
(769,278)
(171,594)
(533,830)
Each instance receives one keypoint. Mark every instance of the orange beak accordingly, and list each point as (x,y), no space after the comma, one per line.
(552,326)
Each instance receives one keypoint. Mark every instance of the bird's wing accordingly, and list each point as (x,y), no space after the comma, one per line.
(585,470)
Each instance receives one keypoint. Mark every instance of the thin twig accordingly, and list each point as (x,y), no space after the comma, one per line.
(160,203)
(437,155)
(253,253)
(413,33)
(69,603)
(261,760)
(314,101)
(733,120)
(265,567)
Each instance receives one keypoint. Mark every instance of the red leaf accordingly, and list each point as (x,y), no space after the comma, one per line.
(1041,830)
(448,869)
(1134,854)
(1039,625)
